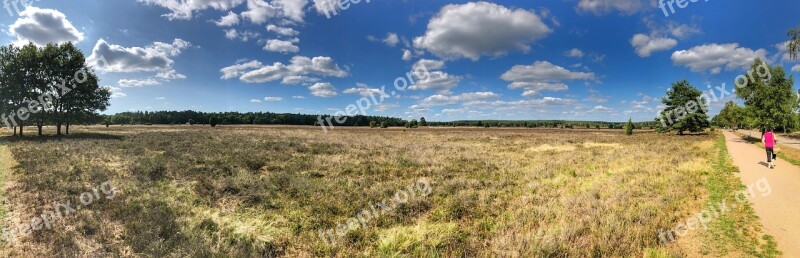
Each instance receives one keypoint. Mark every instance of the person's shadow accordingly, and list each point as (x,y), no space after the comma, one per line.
(763,163)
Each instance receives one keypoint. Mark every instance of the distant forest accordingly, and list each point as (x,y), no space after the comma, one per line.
(268,118)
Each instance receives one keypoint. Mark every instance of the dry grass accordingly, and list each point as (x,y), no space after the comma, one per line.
(254,191)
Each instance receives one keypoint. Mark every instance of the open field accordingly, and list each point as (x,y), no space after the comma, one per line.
(253,191)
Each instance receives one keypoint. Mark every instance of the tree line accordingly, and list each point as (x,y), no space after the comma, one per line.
(50,85)
(238,118)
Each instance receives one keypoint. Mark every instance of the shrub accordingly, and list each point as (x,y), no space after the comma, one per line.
(213,121)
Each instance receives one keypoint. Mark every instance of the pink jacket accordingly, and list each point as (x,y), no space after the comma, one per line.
(769,140)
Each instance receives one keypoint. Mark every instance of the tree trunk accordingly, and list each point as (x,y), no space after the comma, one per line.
(21,125)
(15,131)
(67,126)
(58,128)
(39,125)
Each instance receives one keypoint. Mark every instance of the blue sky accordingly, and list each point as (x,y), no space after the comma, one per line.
(577,60)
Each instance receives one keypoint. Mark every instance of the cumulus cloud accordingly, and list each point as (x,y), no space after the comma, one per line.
(438,81)
(255,101)
(134,83)
(601,7)
(272,99)
(323,90)
(282,46)
(442,100)
(170,75)
(600,109)
(473,30)
(542,76)
(283,31)
(715,57)
(228,20)
(407,55)
(116,92)
(156,57)
(237,70)
(796,68)
(42,26)
(364,90)
(184,10)
(391,39)
(647,45)
(574,53)
(298,70)
(244,36)
(428,64)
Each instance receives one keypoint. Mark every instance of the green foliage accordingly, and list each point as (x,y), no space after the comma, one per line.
(629,127)
(384,124)
(686,109)
(414,123)
(422,122)
(794,42)
(373,124)
(213,121)
(731,116)
(770,100)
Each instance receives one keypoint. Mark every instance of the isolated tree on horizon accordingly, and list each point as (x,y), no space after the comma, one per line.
(422,122)
(629,127)
(685,111)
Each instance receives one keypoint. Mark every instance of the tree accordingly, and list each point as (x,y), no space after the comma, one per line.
(422,122)
(384,125)
(769,100)
(686,109)
(793,46)
(413,123)
(731,116)
(373,124)
(629,127)
(213,121)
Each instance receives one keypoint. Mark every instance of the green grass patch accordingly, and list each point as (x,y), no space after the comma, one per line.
(737,232)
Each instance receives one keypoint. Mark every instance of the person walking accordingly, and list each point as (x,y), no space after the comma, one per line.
(769,143)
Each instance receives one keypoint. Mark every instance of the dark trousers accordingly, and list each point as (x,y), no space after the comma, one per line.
(770,153)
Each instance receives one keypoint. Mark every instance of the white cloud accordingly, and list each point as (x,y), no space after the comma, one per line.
(442,100)
(161,98)
(228,20)
(298,97)
(116,92)
(363,90)
(437,80)
(429,65)
(543,71)
(796,68)
(542,76)
(407,55)
(682,31)
(323,90)
(600,109)
(155,57)
(133,83)
(255,101)
(647,45)
(574,53)
(326,6)
(600,7)
(183,10)
(520,105)
(282,46)
(243,35)
(239,69)
(272,99)
(462,31)
(42,26)
(253,72)
(391,39)
(170,75)
(283,31)
(259,11)
(715,57)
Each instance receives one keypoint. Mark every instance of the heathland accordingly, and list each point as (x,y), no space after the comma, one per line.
(254,191)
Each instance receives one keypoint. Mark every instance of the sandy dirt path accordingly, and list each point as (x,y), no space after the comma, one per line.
(780,210)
